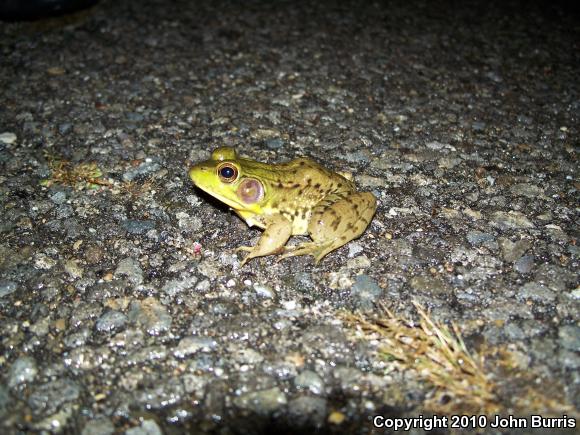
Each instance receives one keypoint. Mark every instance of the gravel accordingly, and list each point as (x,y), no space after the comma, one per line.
(123,307)
(150,315)
(23,370)
(110,321)
(365,292)
(130,268)
(264,402)
(189,345)
(7,287)
(309,381)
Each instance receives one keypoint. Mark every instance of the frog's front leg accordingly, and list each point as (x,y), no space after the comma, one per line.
(337,220)
(277,232)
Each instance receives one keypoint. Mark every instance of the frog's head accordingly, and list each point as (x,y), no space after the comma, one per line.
(224,177)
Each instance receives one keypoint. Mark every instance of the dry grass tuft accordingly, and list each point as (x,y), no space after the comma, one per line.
(437,355)
(137,190)
(80,176)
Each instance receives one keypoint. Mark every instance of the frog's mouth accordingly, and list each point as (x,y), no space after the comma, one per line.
(228,201)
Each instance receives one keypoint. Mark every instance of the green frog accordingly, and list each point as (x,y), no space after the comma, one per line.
(295,198)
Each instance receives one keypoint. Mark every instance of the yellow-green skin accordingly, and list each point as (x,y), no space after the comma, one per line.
(298,197)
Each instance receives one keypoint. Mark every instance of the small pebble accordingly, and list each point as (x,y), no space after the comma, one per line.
(7,287)
(151,315)
(146,167)
(262,402)
(190,345)
(22,371)
(569,337)
(365,292)
(536,292)
(110,321)
(310,381)
(511,220)
(476,238)
(130,268)
(274,143)
(524,264)
(7,138)
(47,398)
(176,286)
(264,291)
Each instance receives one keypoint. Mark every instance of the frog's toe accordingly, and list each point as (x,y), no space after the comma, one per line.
(317,250)
(320,254)
(244,261)
(322,251)
(248,258)
(291,251)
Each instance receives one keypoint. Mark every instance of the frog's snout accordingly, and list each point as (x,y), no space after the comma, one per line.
(195,174)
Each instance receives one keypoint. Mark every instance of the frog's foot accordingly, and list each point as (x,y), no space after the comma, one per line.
(317,250)
(244,249)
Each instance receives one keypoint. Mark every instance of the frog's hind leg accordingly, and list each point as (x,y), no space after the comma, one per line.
(336,221)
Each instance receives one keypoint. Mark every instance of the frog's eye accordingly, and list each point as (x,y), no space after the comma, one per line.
(227,172)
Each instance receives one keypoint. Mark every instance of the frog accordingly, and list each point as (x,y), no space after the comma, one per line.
(299,197)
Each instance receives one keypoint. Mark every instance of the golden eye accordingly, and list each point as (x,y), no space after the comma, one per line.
(227,172)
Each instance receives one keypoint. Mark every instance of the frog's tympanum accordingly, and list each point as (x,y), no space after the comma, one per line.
(298,197)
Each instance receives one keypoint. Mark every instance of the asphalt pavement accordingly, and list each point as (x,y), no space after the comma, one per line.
(123,306)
